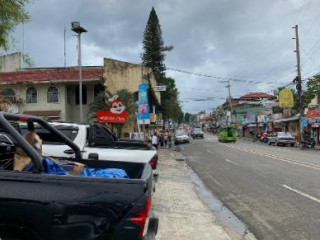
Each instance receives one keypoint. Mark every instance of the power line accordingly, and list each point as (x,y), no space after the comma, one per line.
(210,76)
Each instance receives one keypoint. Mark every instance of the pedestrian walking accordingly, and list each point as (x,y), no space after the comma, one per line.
(155,140)
(161,139)
(165,138)
(169,138)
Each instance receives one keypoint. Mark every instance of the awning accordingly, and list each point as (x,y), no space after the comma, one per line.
(295,118)
(48,114)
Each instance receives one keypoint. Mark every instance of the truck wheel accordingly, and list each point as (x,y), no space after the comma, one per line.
(292,144)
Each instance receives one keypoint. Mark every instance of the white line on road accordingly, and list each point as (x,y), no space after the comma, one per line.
(209,151)
(229,161)
(302,193)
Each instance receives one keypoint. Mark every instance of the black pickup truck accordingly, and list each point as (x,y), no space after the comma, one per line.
(36,205)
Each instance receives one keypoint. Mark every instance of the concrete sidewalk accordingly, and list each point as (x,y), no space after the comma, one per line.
(181,212)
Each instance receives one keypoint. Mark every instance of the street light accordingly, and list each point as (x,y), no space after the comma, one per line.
(75,26)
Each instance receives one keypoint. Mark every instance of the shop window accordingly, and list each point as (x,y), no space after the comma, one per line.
(31,95)
(9,94)
(84,94)
(52,95)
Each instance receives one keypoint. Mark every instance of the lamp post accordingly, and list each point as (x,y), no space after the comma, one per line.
(75,26)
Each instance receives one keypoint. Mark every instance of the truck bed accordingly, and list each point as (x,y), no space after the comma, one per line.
(72,207)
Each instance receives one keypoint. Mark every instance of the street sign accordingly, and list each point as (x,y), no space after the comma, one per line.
(285,98)
(160,88)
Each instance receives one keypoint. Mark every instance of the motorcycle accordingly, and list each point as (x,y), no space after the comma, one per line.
(307,144)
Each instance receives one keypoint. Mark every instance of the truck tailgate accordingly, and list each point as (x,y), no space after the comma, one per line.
(68,207)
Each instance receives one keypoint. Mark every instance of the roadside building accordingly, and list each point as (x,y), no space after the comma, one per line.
(52,93)
(123,75)
(313,118)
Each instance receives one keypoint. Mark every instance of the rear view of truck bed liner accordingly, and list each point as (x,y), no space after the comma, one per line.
(35,205)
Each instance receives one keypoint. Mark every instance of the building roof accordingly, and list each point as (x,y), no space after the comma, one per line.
(51,74)
(258,95)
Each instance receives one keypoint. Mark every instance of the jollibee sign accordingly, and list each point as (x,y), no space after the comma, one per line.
(116,113)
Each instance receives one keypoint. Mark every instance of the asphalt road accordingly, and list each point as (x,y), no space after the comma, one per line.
(274,190)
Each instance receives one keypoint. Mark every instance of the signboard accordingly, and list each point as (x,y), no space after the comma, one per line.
(285,98)
(304,122)
(160,88)
(251,117)
(143,104)
(261,118)
(240,119)
(116,113)
(313,114)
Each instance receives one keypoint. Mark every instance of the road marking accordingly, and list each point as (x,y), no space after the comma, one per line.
(219,184)
(292,161)
(229,161)
(209,151)
(302,193)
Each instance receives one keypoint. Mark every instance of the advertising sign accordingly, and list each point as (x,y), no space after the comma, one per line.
(116,113)
(160,88)
(143,104)
(304,122)
(313,114)
(285,98)
(251,117)
(240,119)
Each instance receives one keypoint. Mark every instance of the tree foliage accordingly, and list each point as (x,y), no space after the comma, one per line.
(153,55)
(12,13)
(170,106)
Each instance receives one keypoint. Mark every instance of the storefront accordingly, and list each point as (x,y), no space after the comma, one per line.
(315,130)
(291,125)
(313,117)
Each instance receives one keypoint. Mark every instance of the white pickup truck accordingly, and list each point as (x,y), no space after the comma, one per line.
(95,141)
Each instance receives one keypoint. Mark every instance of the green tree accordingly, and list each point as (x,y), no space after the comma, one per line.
(153,55)
(170,106)
(12,13)
(313,88)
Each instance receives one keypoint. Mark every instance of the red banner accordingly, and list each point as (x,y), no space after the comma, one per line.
(313,114)
(105,116)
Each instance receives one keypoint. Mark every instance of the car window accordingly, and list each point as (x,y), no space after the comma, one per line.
(48,138)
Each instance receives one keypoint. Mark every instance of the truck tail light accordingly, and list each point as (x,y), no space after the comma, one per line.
(141,218)
(153,162)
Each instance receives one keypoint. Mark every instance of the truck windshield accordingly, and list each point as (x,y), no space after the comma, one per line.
(69,131)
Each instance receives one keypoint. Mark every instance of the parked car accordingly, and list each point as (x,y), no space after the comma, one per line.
(95,140)
(281,138)
(181,137)
(197,133)
(36,204)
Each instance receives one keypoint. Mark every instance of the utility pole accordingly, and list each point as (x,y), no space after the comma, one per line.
(298,78)
(230,101)
(64,47)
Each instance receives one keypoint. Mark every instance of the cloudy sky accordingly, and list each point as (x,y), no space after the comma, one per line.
(248,42)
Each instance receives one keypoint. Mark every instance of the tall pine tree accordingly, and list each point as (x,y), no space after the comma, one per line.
(153,55)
